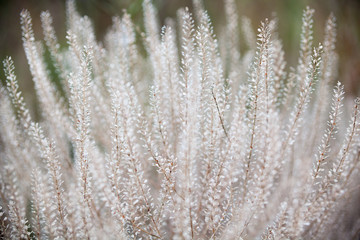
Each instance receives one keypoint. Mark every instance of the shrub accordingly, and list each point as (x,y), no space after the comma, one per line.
(191,140)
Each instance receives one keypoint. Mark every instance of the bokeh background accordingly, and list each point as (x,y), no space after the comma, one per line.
(289,13)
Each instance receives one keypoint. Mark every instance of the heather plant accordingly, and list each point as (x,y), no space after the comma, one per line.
(191,140)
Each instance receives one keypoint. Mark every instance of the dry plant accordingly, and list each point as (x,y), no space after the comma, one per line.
(191,140)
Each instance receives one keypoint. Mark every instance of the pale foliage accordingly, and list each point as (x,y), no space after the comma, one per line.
(192,140)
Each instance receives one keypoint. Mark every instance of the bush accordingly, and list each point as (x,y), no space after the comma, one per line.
(192,141)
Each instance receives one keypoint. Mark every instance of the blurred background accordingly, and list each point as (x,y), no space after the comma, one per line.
(289,13)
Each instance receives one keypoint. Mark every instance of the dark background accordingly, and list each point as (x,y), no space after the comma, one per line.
(289,13)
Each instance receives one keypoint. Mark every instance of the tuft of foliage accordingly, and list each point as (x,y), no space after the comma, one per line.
(195,140)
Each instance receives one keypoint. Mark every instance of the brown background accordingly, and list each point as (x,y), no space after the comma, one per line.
(289,13)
